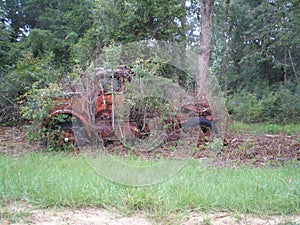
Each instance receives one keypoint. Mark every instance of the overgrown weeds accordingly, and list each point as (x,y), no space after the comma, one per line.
(59,180)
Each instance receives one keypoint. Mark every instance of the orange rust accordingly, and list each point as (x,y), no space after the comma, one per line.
(104,100)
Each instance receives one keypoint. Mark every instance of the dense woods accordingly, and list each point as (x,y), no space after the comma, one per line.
(255,47)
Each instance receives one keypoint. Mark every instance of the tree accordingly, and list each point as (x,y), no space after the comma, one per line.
(255,44)
(35,42)
(259,57)
(12,16)
(126,21)
(206,7)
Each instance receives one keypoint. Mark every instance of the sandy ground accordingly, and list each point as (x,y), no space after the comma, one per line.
(21,213)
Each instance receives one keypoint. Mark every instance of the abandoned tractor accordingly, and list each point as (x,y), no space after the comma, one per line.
(94,109)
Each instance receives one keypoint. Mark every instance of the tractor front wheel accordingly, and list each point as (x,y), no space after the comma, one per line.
(66,134)
(60,137)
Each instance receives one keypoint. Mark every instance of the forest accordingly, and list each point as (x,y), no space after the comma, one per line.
(254,48)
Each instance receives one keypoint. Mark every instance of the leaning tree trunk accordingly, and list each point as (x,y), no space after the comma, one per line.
(204,53)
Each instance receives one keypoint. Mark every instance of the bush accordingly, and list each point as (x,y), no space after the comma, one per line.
(29,71)
(245,107)
(280,106)
(36,103)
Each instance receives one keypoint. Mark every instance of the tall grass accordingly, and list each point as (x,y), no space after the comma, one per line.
(58,180)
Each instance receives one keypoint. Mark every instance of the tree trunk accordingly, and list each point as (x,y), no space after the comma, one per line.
(182,77)
(226,34)
(293,66)
(204,53)
(284,68)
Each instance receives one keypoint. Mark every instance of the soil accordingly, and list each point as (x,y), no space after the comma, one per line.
(20,213)
(238,149)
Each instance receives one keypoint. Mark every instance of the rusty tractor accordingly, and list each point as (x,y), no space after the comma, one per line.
(94,109)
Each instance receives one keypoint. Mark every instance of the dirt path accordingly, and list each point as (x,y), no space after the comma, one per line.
(21,214)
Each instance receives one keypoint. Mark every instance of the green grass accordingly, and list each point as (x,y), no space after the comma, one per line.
(59,180)
(261,128)
(14,217)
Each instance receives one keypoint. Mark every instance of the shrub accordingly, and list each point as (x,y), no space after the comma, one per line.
(280,106)
(245,107)
(28,72)
(35,106)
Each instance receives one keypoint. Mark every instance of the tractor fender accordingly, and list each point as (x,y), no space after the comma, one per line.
(73,113)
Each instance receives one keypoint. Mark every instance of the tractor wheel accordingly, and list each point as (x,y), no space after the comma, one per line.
(60,137)
(66,134)
(202,122)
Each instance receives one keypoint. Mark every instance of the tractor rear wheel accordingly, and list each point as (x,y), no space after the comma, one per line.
(205,124)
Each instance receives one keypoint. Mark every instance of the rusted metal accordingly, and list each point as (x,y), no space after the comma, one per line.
(105,96)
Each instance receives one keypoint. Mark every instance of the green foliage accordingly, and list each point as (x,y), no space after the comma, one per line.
(255,46)
(147,71)
(12,13)
(38,42)
(28,70)
(36,105)
(86,49)
(146,68)
(112,56)
(272,128)
(245,107)
(127,21)
(282,106)
(37,102)
(264,128)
